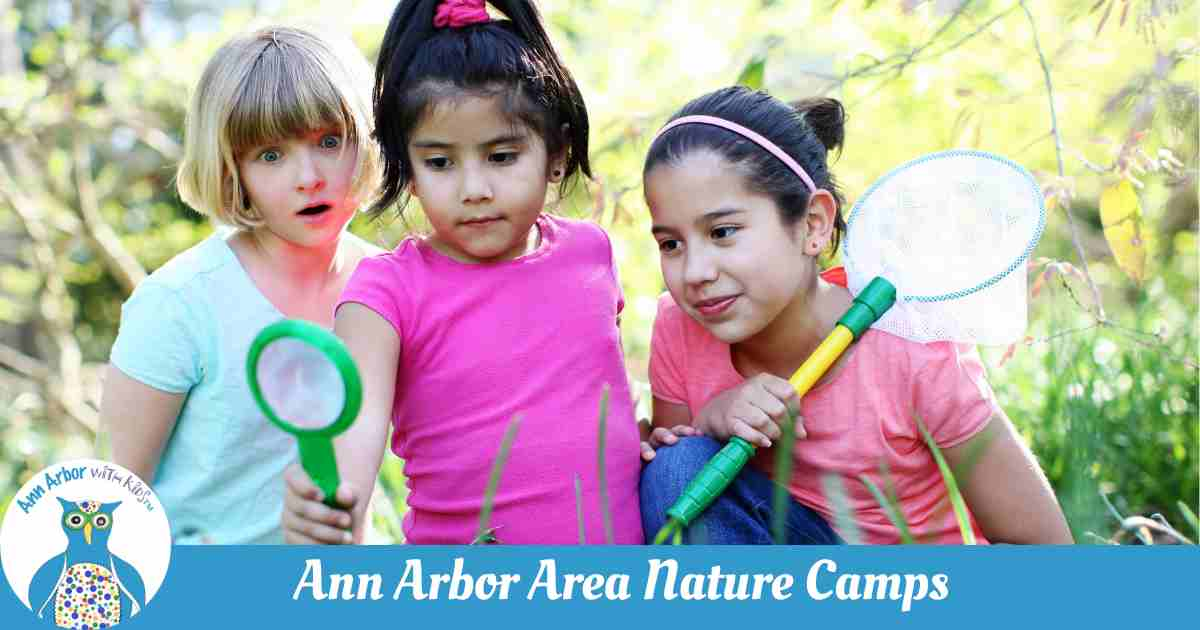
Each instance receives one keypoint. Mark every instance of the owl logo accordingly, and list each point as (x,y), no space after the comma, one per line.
(86,586)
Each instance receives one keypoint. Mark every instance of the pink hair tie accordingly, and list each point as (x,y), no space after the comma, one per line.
(745,133)
(460,13)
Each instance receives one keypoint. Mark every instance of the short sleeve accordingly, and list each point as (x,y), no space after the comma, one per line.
(157,343)
(667,353)
(951,394)
(374,284)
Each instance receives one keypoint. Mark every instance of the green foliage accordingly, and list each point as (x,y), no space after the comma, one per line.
(1106,398)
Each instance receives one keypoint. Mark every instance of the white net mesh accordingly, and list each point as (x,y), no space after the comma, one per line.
(952,232)
(302,386)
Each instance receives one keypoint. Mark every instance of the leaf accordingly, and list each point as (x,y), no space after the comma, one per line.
(1121,216)
(486,534)
(1190,516)
(956,498)
(892,510)
(602,467)
(843,514)
(753,74)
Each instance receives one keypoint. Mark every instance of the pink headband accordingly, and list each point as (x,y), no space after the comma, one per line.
(749,135)
(460,13)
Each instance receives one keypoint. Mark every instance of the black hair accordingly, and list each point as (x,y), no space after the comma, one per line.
(807,130)
(420,64)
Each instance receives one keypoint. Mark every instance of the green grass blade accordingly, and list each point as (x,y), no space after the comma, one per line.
(602,469)
(843,519)
(666,531)
(753,74)
(956,499)
(1190,517)
(579,509)
(783,475)
(489,495)
(892,510)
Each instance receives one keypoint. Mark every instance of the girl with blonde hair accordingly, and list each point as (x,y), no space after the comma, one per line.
(278,149)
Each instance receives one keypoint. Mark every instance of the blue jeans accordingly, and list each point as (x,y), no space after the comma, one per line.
(740,516)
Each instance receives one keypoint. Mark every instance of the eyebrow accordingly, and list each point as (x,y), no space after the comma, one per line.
(707,217)
(438,144)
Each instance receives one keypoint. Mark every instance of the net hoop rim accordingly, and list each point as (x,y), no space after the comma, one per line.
(953,153)
(328,345)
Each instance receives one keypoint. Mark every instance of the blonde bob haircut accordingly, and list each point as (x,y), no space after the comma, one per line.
(263,87)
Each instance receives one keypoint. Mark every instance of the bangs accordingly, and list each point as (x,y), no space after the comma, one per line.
(280,97)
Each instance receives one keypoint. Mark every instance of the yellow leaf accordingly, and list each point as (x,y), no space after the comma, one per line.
(1121,216)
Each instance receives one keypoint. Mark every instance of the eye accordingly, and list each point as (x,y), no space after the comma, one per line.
(723,231)
(503,157)
(75,520)
(101,521)
(437,163)
(331,141)
(669,245)
(270,155)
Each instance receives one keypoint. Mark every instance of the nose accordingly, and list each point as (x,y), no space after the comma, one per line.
(309,176)
(476,188)
(699,266)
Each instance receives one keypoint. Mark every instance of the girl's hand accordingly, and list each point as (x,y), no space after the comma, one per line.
(752,411)
(308,521)
(661,436)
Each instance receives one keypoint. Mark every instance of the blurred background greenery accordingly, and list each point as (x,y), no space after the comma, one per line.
(1098,98)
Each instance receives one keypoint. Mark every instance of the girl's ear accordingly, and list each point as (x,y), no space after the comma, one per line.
(557,164)
(819,222)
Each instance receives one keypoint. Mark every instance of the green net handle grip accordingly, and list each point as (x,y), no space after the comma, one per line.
(712,480)
(318,460)
(869,305)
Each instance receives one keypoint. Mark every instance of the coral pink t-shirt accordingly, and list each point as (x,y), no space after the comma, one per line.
(535,336)
(862,422)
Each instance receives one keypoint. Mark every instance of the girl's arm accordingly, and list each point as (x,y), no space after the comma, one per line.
(374,345)
(671,422)
(1005,489)
(139,419)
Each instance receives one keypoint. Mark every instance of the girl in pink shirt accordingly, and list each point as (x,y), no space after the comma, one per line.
(501,311)
(743,204)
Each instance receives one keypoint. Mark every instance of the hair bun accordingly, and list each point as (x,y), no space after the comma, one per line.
(826,117)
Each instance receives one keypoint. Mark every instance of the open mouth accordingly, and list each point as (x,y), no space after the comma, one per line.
(315,210)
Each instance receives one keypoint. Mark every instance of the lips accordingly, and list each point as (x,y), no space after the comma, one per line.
(481,221)
(315,209)
(714,306)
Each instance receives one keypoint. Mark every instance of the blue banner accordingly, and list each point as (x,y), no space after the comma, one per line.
(675,587)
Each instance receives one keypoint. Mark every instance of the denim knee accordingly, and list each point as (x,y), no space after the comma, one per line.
(665,477)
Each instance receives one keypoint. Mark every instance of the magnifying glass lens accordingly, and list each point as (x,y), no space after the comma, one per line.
(300,384)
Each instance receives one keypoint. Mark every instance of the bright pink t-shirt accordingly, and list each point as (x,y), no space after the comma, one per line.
(535,336)
(860,423)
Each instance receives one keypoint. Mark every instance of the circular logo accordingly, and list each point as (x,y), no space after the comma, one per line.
(85,544)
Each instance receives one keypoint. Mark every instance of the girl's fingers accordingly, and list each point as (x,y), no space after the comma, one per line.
(760,420)
(299,484)
(647,452)
(316,512)
(683,430)
(316,532)
(662,436)
(746,432)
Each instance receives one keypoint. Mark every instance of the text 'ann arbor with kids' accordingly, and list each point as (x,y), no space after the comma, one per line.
(662,580)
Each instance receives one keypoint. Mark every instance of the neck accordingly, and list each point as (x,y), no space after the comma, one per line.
(795,333)
(301,267)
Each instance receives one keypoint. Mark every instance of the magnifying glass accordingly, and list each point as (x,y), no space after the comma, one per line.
(305,382)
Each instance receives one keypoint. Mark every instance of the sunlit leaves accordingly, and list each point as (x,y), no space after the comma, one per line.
(1121,216)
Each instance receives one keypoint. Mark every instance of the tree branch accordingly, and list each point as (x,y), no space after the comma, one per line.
(1058,151)
(124,267)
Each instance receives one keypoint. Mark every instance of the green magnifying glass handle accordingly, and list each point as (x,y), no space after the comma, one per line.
(318,460)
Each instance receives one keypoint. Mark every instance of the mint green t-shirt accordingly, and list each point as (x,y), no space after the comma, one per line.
(187,329)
